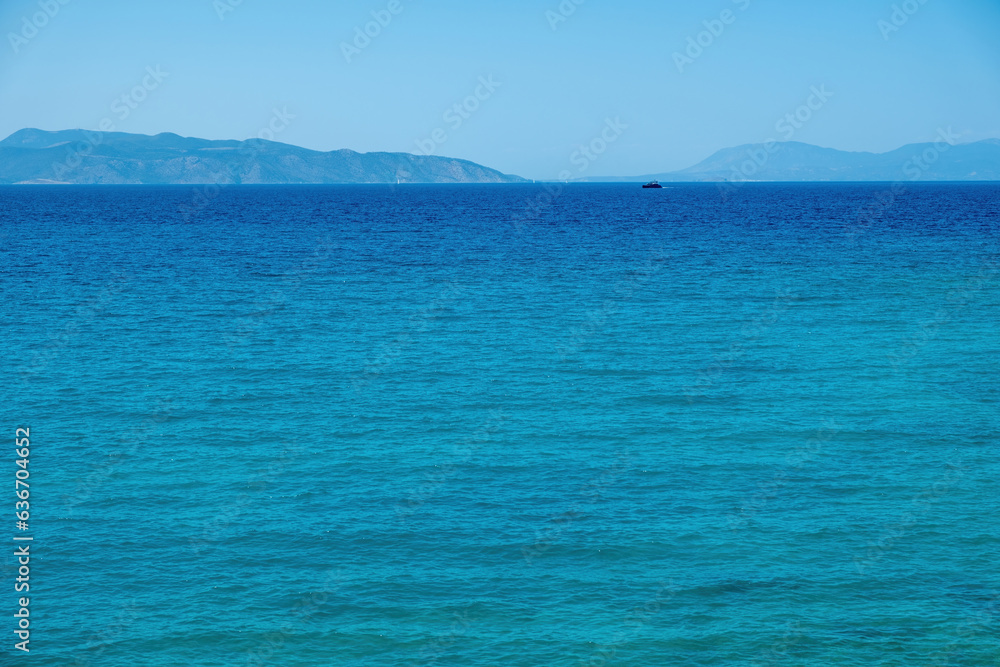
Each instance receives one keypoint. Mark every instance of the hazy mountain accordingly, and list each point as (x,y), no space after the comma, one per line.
(80,156)
(794,161)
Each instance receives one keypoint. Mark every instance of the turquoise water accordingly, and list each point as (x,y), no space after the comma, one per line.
(486,425)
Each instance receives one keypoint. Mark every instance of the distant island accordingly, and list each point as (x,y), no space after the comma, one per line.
(33,156)
(115,158)
(795,161)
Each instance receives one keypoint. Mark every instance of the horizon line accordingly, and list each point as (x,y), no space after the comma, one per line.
(555,180)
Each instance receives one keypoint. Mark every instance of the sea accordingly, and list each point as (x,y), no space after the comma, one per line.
(534,425)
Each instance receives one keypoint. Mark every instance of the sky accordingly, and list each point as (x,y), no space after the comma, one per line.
(647,87)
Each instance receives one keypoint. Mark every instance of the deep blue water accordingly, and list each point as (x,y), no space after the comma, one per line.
(481,425)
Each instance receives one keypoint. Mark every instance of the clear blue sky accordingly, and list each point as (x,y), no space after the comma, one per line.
(607,60)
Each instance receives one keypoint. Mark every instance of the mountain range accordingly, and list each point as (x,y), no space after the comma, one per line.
(795,161)
(83,157)
(33,156)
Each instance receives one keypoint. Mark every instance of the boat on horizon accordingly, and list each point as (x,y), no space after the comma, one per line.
(653,184)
